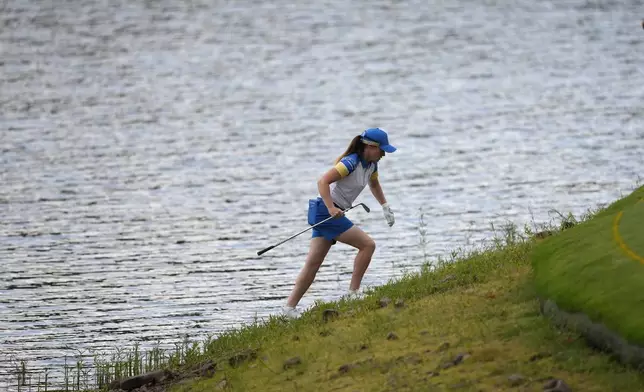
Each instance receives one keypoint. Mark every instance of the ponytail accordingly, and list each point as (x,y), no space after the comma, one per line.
(356,146)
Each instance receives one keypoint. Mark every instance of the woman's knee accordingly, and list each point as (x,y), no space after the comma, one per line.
(316,257)
(314,262)
(370,245)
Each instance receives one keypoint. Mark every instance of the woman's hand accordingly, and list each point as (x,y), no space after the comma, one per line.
(336,212)
(389,214)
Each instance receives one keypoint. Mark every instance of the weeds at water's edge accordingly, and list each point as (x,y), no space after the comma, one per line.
(95,371)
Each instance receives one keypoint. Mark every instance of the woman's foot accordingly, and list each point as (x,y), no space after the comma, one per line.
(290,312)
(355,294)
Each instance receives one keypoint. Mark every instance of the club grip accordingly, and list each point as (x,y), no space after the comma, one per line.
(261,252)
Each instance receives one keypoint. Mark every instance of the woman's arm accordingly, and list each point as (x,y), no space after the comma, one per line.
(376,190)
(329,177)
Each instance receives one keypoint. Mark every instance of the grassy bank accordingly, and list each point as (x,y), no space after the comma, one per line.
(473,324)
(486,337)
(597,268)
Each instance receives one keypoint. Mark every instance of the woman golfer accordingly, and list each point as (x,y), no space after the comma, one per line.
(338,188)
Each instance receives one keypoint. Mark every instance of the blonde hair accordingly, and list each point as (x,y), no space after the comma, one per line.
(356,146)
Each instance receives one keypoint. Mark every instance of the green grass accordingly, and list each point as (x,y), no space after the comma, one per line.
(585,270)
(496,323)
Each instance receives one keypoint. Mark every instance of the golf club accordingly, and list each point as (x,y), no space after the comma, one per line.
(261,252)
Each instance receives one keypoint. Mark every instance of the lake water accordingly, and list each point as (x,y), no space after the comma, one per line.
(149,149)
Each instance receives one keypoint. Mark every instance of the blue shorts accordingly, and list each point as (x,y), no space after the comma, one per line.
(329,229)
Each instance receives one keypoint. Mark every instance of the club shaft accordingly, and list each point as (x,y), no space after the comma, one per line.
(303,231)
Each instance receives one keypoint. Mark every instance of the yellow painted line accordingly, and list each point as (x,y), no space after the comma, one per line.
(621,242)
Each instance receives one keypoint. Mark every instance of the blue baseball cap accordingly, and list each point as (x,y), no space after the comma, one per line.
(377,137)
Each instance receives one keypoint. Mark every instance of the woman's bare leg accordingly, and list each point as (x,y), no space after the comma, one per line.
(317,252)
(366,247)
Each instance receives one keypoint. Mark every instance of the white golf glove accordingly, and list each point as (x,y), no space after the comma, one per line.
(389,214)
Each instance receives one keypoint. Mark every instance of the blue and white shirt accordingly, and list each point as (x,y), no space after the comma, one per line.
(356,174)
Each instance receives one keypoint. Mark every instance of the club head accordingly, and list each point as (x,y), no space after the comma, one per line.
(365,207)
